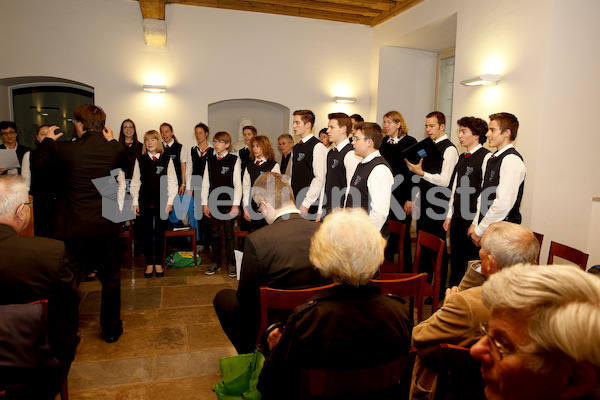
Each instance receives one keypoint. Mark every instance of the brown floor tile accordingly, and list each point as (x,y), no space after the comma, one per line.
(110,373)
(126,392)
(207,336)
(186,316)
(185,365)
(196,388)
(190,295)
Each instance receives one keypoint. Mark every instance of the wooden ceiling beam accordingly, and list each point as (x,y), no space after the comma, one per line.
(322,6)
(398,9)
(278,9)
(153,9)
(383,5)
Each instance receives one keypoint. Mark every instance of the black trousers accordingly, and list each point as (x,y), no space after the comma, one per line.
(153,229)
(215,233)
(100,253)
(239,326)
(463,249)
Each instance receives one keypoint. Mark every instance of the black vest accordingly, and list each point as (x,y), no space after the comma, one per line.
(175,153)
(359,181)
(424,186)
(392,154)
(492,179)
(336,175)
(302,167)
(220,173)
(150,173)
(471,168)
(284,162)
(244,159)
(199,163)
(131,152)
(255,171)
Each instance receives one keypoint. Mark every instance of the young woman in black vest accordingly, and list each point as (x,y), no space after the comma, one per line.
(263,161)
(173,148)
(395,142)
(149,196)
(198,157)
(133,147)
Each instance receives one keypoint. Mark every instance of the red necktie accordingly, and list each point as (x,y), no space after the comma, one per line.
(467,154)
(220,158)
(154,158)
(258,163)
(300,142)
(129,144)
(166,146)
(335,149)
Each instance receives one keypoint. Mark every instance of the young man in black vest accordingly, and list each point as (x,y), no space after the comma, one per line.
(8,132)
(222,172)
(466,187)
(434,205)
(371,184)
(504,178)
(309,160)
(341,164)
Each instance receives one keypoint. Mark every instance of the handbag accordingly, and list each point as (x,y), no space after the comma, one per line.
(240,377)
(181,259)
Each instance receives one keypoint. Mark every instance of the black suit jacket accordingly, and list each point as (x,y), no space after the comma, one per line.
(277,256)
(32,268)
(79,211)
(393,155)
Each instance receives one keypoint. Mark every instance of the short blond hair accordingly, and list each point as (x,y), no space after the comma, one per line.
(155,135)
(347,247)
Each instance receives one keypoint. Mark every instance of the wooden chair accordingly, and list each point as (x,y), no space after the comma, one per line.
(408,286)
(282,299)
(239,235)
(567,253)
(388,266)
(459,376)
(354,383)
(540,239)
(191,233)
(437,245)
(25,321)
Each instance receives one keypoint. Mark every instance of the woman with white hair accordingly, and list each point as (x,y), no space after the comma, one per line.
(348,326)
(543,338)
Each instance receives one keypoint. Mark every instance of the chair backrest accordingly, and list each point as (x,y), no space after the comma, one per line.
(437,245)
(406,285)
(282,299)
(400,230)
(353,383)
(540,239)
(567,253)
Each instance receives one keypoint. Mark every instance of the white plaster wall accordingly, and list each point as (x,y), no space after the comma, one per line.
(211,55)
(537,47)
(406,84)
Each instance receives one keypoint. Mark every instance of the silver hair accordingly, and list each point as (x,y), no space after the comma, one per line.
(347,247)
(563,303)
(510,244)
(13,193)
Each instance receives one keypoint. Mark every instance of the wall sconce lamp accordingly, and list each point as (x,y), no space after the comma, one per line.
(344,100)
(155,88)
(482,80)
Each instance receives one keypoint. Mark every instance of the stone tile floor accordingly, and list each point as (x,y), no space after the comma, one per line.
(172,339)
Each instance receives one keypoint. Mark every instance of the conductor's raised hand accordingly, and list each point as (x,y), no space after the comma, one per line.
(108,133)
(50,133)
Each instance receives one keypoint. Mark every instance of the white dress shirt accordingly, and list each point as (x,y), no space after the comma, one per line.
(449,160)
(379,184)
(188,171)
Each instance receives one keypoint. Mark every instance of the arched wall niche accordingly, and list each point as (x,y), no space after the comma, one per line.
(270,119)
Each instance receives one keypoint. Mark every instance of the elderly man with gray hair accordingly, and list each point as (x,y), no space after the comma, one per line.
(542,340)
(458,321)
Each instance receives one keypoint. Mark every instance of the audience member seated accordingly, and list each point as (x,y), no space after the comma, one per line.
(32,268)
(349,326)
(458,321)
(274,256)
(541,342)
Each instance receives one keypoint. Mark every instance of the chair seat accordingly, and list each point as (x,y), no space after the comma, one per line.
(191,232)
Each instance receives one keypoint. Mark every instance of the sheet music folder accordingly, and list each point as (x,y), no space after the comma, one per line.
(425,149)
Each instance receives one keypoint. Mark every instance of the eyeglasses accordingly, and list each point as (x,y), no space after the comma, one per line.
(128,127)
(356,138)
(8,133)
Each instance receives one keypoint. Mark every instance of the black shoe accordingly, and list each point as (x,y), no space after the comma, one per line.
(149,274)
(112,336)
(159,274)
